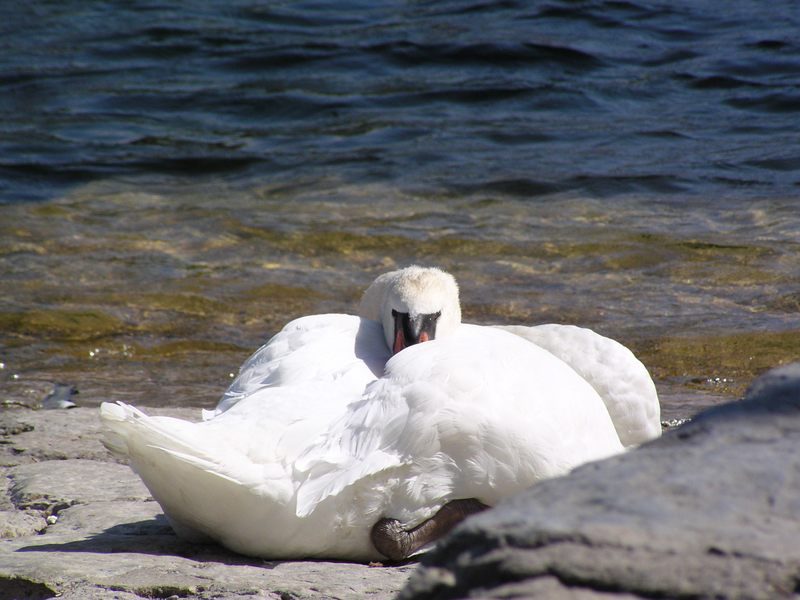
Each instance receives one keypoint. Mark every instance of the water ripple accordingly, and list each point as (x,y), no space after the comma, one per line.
(633,92)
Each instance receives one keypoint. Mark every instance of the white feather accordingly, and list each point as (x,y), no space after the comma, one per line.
(332,348)
(611,369)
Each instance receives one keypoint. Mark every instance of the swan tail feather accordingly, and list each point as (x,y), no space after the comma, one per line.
(127,430)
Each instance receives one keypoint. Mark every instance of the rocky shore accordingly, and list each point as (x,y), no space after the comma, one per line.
(712,509)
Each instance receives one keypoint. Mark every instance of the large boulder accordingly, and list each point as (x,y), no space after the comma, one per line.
(710,510)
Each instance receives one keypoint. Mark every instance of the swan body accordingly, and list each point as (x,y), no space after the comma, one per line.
(439,425)
(326,431)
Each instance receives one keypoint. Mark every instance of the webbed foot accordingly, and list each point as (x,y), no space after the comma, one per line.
(396,543)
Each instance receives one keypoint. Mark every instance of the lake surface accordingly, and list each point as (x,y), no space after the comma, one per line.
(176,183)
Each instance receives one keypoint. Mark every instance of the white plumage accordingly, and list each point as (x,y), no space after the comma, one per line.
(322,433)
(612,370)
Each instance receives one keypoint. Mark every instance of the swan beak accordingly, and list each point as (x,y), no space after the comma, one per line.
(410,330)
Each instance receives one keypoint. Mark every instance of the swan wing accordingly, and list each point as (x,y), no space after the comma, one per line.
(610,368)
(362,442)
(478,414)
(344,350)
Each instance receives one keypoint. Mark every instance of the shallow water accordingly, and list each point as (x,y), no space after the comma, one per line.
(176,184)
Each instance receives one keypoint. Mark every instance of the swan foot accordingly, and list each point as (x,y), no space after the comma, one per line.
(396,543)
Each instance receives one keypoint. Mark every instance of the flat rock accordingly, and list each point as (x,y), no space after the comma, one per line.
(61,483)
(710,510)
(16,523)
(37,435)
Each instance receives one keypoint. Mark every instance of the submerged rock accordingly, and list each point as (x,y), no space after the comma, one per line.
(712,509)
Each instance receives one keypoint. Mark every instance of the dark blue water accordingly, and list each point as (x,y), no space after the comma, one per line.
(501,98)
(178,180)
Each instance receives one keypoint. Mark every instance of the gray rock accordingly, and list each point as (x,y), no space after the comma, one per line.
(49,486)
(711,510)
(17,523)
(108,539)
(40,435)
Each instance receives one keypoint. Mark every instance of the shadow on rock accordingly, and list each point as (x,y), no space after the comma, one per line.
(151,536)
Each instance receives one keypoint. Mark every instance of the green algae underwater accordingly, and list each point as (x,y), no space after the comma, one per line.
(156,297)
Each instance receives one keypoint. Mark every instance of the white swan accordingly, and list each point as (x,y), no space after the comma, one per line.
(324,448)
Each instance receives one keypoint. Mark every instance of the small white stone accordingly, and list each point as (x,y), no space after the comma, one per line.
(52,520)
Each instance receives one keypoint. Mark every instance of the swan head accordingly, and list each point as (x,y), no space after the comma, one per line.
(415,304)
